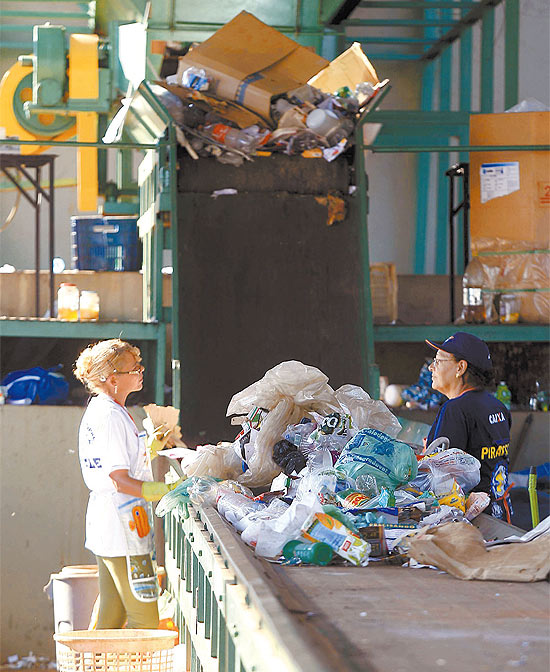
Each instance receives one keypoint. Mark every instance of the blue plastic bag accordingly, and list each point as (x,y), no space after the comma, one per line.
(36,386)
(390,461)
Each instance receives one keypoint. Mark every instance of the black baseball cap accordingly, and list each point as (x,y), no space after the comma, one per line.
(466,346)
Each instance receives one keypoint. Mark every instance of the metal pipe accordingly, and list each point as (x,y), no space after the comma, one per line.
(388,149)
(74,143)
(52,232)
(37,243)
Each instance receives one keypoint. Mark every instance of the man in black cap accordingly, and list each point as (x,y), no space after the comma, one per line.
(473,419)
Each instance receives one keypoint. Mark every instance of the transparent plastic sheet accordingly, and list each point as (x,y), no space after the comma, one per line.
(288,391)
(450,463)
(367,412)
(219,461)
(510,267)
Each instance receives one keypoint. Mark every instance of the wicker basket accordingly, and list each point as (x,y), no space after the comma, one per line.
(115,650)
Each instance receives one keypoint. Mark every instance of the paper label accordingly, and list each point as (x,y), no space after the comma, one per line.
(498,179)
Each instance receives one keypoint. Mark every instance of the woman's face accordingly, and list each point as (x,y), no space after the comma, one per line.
(129,373)
(444,370)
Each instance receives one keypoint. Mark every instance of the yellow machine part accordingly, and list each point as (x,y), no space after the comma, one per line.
(84,84)
(8,119)
(86,158)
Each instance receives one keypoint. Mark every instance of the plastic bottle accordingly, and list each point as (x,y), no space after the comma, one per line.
(67,302)
(89,306)
(503,394)
(317,553)
(232,137)
(472,297)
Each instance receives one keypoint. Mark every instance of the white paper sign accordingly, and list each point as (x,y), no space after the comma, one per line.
(498,179)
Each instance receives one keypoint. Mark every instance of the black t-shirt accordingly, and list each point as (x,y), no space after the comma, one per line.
(478,423)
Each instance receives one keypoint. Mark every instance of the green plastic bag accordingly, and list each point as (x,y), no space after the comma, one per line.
(391,462)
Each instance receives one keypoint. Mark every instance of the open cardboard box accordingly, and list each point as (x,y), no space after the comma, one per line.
(250,62)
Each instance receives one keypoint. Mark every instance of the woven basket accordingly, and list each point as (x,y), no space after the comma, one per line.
(115,650)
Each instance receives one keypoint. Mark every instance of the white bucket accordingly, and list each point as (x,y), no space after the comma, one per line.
(73,591)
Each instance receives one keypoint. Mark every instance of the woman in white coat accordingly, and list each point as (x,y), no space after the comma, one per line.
(116,468)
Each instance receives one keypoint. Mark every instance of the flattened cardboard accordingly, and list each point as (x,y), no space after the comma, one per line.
(459,549)
(250,62)
(349,69)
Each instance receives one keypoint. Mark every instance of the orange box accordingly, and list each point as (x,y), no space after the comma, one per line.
(523,214)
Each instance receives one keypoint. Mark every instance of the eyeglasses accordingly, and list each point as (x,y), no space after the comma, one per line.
(436,362)
(134,372)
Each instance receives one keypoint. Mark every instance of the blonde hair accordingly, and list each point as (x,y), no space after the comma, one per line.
(99,360)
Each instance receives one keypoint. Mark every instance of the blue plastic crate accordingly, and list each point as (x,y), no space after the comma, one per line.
(105,243)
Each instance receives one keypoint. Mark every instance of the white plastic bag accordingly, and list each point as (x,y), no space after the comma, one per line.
(453,462)
(366,412)
(289,391)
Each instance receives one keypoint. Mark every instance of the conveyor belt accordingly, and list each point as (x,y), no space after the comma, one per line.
(346,619)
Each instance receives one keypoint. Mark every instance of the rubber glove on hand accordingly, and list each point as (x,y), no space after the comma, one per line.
(152,491)
(157,441)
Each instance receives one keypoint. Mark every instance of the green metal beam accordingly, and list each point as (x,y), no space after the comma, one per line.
(21,14)
(494,333)
(511,53)
(390,40)
(74,143)
(398,23)
(454,148)
(459,26)
(417,4)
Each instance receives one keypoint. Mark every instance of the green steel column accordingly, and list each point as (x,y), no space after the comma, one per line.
(465,105)
(424,159)
(487,62)
(511,54)
(370,372)
(442,234)
(423,176)
(177,346)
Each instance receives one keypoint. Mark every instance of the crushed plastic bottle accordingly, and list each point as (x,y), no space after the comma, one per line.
(316,553)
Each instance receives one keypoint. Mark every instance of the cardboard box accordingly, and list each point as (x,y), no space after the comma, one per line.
(250,62)
(522,214)
(349,69)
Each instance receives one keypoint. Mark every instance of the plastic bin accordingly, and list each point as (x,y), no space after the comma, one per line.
(105,243)
(116,650)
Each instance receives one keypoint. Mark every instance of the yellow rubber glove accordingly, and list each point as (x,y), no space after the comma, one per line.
(152,491)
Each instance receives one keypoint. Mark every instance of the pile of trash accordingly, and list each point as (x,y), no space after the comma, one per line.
(334,478)
(250,90)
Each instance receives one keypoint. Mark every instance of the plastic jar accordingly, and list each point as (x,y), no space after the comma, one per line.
(89,306)
(67,302)
(509,308)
